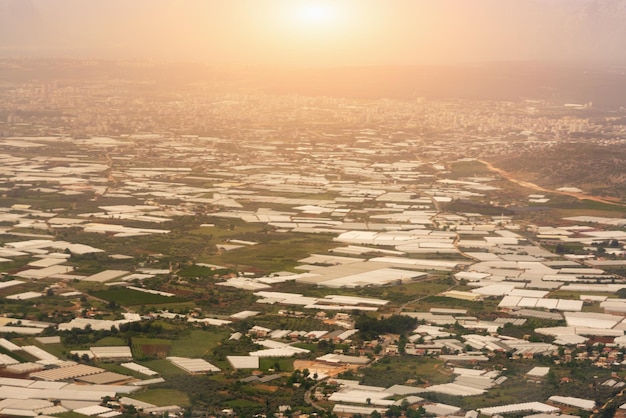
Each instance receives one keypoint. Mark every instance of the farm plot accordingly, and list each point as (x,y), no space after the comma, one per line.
(130,297)
(150,348)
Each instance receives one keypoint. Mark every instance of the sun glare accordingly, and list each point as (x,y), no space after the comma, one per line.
(314,31)
(316,13)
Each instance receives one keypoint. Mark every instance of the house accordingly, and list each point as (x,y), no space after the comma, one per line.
(259,332)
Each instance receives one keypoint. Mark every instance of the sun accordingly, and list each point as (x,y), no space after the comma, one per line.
(315,31)
(315,13)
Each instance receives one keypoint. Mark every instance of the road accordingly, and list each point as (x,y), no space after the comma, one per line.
(613,400)
(308,398)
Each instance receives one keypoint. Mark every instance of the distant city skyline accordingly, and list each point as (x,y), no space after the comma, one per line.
(305,33)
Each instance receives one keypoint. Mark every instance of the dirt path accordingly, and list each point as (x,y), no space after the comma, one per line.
(533,186)
(316,366)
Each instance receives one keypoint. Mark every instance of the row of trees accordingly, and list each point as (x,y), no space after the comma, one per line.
(78,337)
(403,410)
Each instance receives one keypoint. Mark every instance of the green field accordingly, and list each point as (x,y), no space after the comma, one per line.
(512,391)
(55,349)
(117,368)
(396,294)
(277,252)
(150,347)
(473,307)
(460,169)
(110,341)
(129,297)
(70,415)
(278,364)
(198,343)
(580,207)
(397,370)
(162,397)
(163,367)
(243,403)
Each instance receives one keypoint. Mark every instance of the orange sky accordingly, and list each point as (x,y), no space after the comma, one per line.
(320,32)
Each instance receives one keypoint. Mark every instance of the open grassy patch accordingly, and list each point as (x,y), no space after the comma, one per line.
(163,367)
(129,297)
(162,397)
(278,252)
(110,341)
(172,307)
(407,292)
(196,271)
(398,370)
(57,349)
(460,169)
(70,415)
(277,364)
(589,207)
(10,354)
(395,293)
(117,368)
(243,403)
(515,392)
(473,307)
(198,343)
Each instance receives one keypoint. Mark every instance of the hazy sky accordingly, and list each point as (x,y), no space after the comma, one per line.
(317,32)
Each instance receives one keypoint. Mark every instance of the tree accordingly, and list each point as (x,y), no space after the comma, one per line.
(130,409)
(416,413)
(394,411)
(552,379)
(405,405)
(402,344)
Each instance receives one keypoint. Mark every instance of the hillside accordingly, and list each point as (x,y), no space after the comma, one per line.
(596,169)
